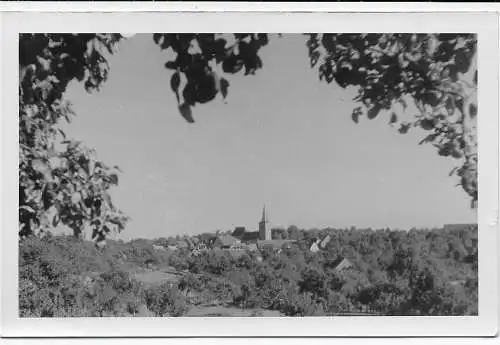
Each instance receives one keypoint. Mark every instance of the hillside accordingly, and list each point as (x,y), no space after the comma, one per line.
(417,272)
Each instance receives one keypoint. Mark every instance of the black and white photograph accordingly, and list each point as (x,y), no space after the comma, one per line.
(261,175)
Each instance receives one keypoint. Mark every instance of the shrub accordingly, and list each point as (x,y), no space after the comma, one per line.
(165,300)
(301,305)
(178,262)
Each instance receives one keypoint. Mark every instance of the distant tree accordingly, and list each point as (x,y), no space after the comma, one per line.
(189,282)
(245,261)
(279,234)
(314,281)
(178,261)
(294,233)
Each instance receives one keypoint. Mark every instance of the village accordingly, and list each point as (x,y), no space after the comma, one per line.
(238,241)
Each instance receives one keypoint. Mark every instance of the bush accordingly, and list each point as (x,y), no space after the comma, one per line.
(301,305)
(178,262)
(51,283)
(165,300)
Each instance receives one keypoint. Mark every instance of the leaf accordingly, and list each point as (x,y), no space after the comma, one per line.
(27,208)
(355,117)
(91,163)
(41,167)
(170,65)
(46,198)
(328,42)
(405,127)
(174,85)
(114,179)
(157,38)
(394,118)
(224,85)
(428,139)
(175,82)
(185,111)
(427,124)
(76,197)
(453,171)
(62,133)
(56,220)
(373,112)
(83,174)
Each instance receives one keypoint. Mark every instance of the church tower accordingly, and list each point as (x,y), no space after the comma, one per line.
(264,233)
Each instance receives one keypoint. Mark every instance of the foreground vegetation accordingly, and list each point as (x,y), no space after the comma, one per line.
(416,272)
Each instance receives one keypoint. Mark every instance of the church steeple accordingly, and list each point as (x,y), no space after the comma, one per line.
(264,234)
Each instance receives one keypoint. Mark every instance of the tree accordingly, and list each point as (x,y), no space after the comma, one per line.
(435,72)
(314,281)
(189,283)
(71,185)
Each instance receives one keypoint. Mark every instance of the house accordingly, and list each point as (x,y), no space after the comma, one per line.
(238,232)
(250,237)
(207,238)
(325,241)
(320,244)
(315,246)
(252,247)
(226,241)
(343,265)
(156,247)
(274,244)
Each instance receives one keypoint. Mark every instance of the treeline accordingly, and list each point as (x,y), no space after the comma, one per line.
(417,272)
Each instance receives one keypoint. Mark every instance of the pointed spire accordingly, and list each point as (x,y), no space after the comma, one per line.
(264,214)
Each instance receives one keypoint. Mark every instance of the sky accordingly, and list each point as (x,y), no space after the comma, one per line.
(282,139)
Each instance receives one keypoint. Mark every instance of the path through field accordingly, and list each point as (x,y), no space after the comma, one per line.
(156,277)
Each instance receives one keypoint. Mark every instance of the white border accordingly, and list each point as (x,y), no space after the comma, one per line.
(485,24)
(243,6)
